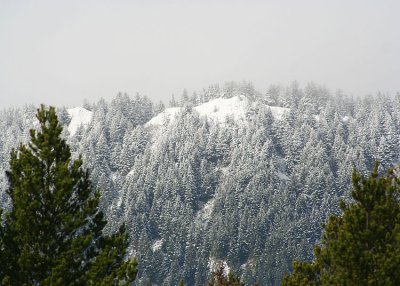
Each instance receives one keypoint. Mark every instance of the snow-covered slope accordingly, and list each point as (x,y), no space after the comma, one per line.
(277,111)
(79,116)
(164,116)
(216,110)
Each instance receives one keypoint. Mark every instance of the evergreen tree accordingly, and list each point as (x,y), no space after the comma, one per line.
(53,234)
(218,278)
(361,246)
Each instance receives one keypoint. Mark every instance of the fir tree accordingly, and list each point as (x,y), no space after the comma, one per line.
(53,234)
(218,278)
(361,247)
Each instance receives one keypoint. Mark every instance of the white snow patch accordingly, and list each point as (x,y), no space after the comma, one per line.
(131,172)
(249,263)
(345,118)
(317,118)
(204,214)
(218,109)
(213,264)
(278,111)
(164,117)
(306,195)
(157,245)
(282,176)
(224,170)
(119,202)
(79,116)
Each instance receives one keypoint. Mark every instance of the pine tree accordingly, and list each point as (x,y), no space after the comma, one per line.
(53,234)
(218,278)
(361,247)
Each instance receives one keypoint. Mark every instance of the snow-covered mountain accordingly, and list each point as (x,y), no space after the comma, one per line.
(229,175)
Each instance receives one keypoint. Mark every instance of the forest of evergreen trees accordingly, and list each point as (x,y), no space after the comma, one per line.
(251,192)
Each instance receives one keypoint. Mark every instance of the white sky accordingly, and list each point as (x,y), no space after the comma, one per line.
(62,52)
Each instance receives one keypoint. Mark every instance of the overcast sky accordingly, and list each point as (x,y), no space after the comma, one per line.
(62,52)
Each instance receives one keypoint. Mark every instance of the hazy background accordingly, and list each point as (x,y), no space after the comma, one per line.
(62,52)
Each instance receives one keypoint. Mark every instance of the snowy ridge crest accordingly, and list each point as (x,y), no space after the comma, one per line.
(79,116)
(216,110)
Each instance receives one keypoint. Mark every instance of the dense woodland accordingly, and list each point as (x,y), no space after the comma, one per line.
(250,193)
(53,232)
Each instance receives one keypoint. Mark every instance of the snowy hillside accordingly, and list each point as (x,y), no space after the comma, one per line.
(79,116)
(217,110)
(250,195)
(164,116)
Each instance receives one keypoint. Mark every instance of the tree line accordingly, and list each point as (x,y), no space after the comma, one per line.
(53,234)
(250,193)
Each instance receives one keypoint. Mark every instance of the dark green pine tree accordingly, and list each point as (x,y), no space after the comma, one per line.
(361,247)
(53,234)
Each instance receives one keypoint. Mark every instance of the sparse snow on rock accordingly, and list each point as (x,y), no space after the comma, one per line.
(79,116)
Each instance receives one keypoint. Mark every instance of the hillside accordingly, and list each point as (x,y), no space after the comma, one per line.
(229,175)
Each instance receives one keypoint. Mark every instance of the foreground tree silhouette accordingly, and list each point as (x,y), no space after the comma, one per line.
(53,233)
(361,247)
